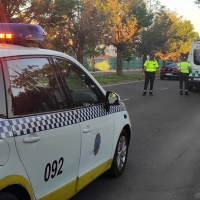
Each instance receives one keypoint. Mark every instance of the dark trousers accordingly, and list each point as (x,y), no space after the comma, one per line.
(149,76)
(183,79)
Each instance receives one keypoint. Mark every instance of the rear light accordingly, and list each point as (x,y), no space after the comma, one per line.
(175,69)
(163,69)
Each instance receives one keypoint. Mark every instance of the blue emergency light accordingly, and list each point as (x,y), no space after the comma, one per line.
(21,33)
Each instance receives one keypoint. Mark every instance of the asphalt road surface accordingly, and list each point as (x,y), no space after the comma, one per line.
(164,156)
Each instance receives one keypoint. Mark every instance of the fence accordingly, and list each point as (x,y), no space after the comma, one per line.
(98,64)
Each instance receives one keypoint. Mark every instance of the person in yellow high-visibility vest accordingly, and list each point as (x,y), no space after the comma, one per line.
(184,68)
(150,68)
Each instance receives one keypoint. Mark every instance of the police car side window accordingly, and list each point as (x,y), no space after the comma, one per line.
(34,88)
(197,56)
(82,89)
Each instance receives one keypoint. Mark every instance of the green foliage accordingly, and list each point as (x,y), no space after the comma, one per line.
(197,2)
(106,79)
(93,51)
(143,16)
(151,27)
(13,10)
(128,55)
(181,36)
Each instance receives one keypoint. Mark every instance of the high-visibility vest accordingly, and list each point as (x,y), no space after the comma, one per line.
(184,67)
(151,65)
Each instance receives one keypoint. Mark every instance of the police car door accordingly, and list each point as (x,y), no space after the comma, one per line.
(97,127)
(47,138)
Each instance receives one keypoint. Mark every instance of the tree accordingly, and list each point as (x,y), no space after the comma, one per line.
(93,51)
(160,31)
(163,30)
(197,2)
(128,55)
(143,40)
(121,26)
(13,10)
(80,28)
(181,34)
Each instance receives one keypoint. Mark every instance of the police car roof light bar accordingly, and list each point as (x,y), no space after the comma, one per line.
(21,34)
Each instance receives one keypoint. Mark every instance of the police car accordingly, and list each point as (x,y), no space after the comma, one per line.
(59,129)
(194,60)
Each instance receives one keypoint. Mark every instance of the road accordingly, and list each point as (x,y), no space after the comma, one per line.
(164,156)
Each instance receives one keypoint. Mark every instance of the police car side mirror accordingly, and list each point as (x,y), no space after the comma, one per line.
(111,99)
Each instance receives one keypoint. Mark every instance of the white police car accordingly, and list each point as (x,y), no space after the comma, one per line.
(59,129)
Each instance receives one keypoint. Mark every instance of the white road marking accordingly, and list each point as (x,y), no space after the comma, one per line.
(125,99)
(165,88)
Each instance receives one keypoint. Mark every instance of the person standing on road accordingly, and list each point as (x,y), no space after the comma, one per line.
(184,68)
(149,70)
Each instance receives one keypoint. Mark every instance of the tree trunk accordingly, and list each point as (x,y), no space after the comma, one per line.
(80,54)
(144,59)
(93,64)
(163,63)
(119,62)
(128,66)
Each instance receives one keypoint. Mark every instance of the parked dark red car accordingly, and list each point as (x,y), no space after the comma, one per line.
(169,71)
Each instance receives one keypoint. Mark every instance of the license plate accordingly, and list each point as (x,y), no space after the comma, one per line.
(196,79)
(168,74)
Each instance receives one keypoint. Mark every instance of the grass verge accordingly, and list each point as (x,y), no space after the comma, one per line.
(113,78)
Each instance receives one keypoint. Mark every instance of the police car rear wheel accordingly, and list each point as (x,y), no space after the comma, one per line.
(120,157)
(7,196)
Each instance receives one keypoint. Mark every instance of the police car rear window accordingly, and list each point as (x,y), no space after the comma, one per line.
(197,56)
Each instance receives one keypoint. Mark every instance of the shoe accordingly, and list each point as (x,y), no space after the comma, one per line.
(151,93)
(144,93)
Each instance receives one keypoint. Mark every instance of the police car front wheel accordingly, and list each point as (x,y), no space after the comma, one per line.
(7,196)
(120,157)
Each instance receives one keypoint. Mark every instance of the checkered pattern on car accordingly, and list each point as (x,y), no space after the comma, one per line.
(27,125)
(195,74)
(5,129)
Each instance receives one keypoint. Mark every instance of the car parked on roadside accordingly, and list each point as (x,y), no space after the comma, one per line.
(169,71)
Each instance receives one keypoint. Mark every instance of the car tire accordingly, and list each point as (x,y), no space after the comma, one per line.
(161,77)
(7,196)
(120,157)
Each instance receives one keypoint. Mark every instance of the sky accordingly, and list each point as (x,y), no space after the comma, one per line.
(186,8)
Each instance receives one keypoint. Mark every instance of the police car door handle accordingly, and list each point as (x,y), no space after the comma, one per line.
(31,139)
(87,130)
